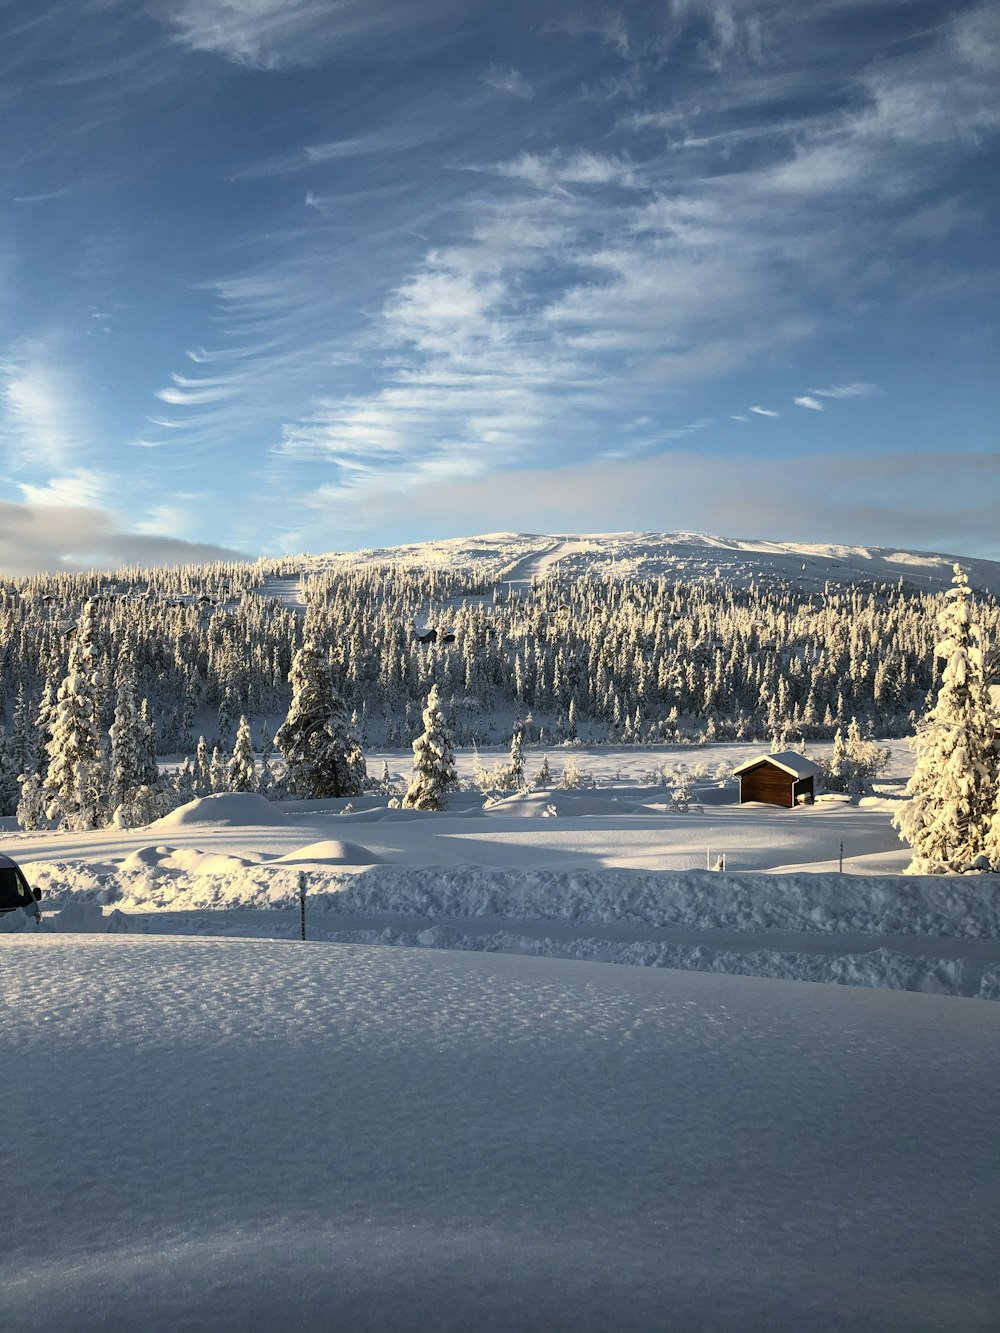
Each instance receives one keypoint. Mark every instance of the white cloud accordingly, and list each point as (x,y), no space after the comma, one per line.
(550,171)
(64,536)
(79,488)
(859,389)
(807,401)
(508,80)
(41,405)
(669,492)
(276,34)
(764,412)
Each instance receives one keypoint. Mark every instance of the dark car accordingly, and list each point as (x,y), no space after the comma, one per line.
(15,891)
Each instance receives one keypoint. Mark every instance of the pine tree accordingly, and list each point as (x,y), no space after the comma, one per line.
(126,743)
(952,790)
(515,765)
(203,769)
(149,771)
(323,755)
(241,772)
(991,848)
(75,779)
(10,791)
(434,770)
(217,771)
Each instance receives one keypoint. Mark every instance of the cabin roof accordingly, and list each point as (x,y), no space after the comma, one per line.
(789,761)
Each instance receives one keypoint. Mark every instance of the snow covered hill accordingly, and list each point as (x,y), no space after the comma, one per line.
(519,557)
(222,1135)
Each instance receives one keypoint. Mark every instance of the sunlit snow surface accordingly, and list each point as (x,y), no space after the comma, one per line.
(207,1134)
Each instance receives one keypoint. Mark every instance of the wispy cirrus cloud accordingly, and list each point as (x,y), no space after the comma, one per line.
(566,281)
(82,488)
(41,405)
(859,389)
(506,79)
(278,34)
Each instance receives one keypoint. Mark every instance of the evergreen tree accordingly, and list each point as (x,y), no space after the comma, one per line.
(203,769)
(952,790)
(217,772)
(992,844)
(75,778)
(515,765)
(10,791)
(149,771)
(323,755)
(126,743)
(241,771)
(434,770)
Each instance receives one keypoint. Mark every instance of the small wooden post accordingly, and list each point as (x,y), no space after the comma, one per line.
(708,858)
(302,905)
(842,856)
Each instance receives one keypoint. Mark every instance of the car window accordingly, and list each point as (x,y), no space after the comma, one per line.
(14,891)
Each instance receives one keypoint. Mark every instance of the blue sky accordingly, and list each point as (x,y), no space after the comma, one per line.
(284,275)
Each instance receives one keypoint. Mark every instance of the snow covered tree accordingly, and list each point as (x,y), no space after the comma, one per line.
(241,772)
(217,772)
(953,787)
(515,765)
(434,770)
(76,778)
(149,772)
(10,791)
(203,769)
(543,778)
(323,755)
(992,843)
(126,745)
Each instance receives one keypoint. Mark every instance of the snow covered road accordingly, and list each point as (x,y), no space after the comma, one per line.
(230,1133)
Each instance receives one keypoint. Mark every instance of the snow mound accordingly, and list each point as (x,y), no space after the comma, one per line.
(16,922)
(88,918)
(185,858)
(331,851)
(224,810)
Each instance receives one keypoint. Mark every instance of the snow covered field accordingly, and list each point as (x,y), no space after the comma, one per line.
(607,872)
(219,1134)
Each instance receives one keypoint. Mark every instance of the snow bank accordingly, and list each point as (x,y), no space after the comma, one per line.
(89,918)
(954,906)
(880,968)
(17,922)
(224,810)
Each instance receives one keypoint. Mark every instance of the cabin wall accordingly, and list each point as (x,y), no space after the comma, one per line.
(769,785)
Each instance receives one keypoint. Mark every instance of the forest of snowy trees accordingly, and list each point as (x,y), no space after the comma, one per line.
(195,663)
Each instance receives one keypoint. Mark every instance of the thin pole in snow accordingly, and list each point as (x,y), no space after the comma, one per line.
(842,856)
(302,905)
(708,858)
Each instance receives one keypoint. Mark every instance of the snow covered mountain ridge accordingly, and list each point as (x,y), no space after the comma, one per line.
(520,557)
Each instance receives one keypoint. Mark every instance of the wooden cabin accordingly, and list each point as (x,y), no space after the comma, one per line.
(777,779)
